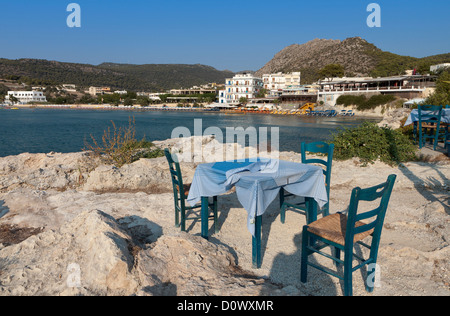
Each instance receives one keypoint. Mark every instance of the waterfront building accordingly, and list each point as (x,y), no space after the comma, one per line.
(26,96)
(193,90)
(408,87)
(280,81)
(292,79)
(99,90)
(274,81)
(240,86)
(222,96)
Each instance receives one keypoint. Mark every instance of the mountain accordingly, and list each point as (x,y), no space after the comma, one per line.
(355,54)
(152,77)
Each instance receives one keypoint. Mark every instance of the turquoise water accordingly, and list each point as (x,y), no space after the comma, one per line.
(65,130)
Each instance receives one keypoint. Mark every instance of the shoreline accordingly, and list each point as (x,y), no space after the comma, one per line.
(359,115)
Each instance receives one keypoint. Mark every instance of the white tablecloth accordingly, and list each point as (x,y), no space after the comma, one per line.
(414,116)
(258,183)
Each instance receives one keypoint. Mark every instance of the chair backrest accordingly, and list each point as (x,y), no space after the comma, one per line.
(320,148)
(447,106)
(383,193)
(177,178)
(430,113)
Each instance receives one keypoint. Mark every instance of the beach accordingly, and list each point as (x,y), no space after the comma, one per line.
(116,227)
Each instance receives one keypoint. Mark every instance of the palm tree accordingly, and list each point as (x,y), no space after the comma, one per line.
(13,99)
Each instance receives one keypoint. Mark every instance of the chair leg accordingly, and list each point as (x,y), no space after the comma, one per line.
(326,209)
(282,207)
(177,218)
(183,220)
(348,281)
(216,226)
(337,255)
(436,139)
(415,132)
(420,137)
(305,254)
(283,214)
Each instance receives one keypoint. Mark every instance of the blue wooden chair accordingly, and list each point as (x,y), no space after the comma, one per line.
(446,132)
(429,124)
(317,147)
(342,232)
(180,194)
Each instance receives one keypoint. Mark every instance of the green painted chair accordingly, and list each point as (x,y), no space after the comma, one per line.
(429,125)
(317,147)
(446,132)
(341,232)
(180,194)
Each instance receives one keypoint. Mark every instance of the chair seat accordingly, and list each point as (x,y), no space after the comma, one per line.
(429,125)
(333,228)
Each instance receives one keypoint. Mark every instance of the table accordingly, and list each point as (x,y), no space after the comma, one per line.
(414,116)
(258,182)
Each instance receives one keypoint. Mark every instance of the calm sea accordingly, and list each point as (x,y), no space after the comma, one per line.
(65,130)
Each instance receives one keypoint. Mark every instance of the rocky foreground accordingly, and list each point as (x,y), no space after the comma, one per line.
(72,226)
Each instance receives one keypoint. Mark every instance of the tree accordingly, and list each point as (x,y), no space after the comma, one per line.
(262,93)
(441,95)
(128,102)
(87,98)
(332,71)
(143,101)
(13,99)
(243,100)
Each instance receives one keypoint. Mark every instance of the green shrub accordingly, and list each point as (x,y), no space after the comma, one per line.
(376,100)
(369,143)
(362,103)
(347,100)
(119,146)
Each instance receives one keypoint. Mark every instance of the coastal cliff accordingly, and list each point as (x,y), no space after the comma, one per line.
(91,229)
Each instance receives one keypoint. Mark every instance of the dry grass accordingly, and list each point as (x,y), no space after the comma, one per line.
(119,145)
(13,234)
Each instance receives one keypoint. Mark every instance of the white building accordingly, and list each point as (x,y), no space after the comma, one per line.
(26,96)
(408,87)
(435,68)
(292,79)
(240,86)
(280,81)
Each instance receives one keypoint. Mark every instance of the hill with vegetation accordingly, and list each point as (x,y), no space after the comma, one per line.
(152,77)
(357,56)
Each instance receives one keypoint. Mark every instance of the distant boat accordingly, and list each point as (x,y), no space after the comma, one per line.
(14,108)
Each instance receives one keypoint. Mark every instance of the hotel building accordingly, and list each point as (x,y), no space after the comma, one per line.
(240,86)
(26,96)
(280,81)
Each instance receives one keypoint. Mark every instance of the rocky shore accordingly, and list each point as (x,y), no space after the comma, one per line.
(70,225)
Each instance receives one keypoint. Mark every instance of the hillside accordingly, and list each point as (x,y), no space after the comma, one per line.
(358,57)
(118,76)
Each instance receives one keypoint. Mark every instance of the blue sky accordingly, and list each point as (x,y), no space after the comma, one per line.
(228,34)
